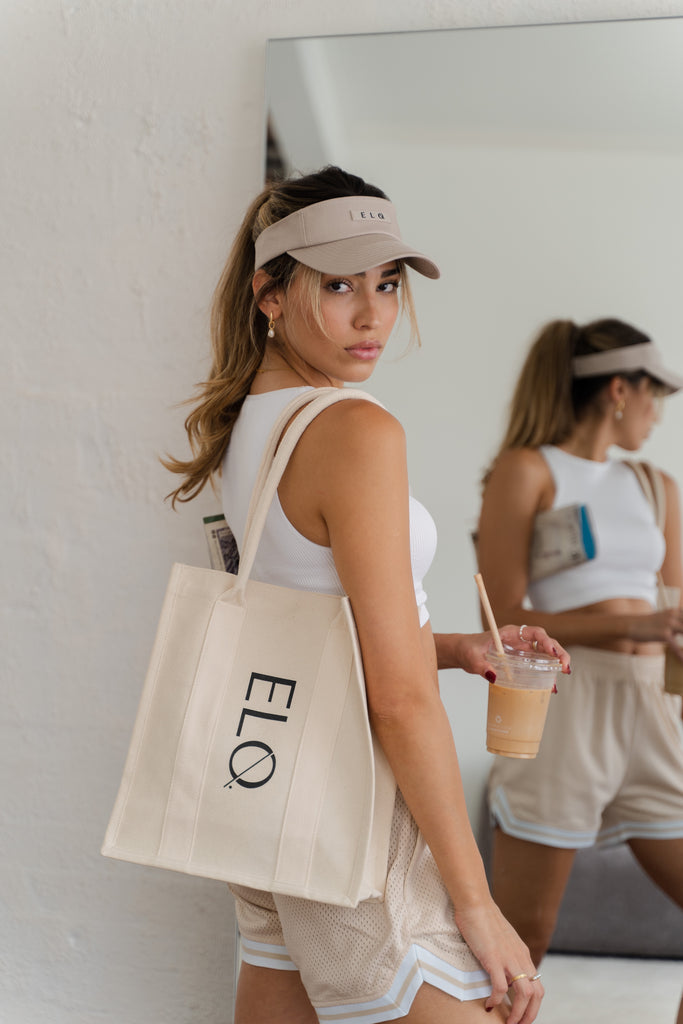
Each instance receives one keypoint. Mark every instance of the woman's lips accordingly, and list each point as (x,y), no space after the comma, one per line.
(366,350)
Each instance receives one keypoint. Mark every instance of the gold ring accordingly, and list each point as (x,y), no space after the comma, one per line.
(518,977)
(535,977)
(523,639)
(534,644)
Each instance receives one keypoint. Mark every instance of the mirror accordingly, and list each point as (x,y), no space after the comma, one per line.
(540,166)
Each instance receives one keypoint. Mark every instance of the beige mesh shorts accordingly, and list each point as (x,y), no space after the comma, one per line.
(610,765)
(365,965)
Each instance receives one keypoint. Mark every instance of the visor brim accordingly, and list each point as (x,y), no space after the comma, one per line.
(362,252)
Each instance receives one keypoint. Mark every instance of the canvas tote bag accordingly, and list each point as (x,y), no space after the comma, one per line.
(252,758)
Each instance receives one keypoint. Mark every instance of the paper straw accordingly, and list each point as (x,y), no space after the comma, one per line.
(491,621)
(489,614)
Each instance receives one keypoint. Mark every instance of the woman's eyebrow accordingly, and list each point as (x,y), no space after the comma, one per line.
(385,273)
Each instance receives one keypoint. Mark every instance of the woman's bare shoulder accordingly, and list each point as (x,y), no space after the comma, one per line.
(522,464)
(357,423)
(349,441)
(670,482)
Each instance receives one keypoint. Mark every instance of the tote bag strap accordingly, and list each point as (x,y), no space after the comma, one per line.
(273,441)
(275,459)
(650,479)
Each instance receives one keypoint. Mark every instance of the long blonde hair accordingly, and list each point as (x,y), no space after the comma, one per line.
(548,401)
(239,329)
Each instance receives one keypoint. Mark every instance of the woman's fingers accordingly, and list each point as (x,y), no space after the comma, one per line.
(661,626)
(523,992)
(535,638)
(525,996)
(505,958)
(499,988)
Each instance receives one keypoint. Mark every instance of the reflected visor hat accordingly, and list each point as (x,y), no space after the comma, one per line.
(347,235)
(628,359)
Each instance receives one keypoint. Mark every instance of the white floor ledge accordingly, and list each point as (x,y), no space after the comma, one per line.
(604,990)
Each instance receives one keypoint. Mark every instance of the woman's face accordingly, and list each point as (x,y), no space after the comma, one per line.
(641,411)
(358,311)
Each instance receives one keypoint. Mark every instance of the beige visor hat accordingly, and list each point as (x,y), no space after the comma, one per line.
(341,236)
(628,359)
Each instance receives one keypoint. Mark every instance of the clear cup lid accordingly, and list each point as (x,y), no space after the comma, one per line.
(537,661)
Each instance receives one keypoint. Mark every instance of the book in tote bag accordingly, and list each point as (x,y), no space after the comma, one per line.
(561,539)
(252,758)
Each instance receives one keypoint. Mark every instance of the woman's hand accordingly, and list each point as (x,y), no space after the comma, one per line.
(501,953)
(469,650)
(660,626)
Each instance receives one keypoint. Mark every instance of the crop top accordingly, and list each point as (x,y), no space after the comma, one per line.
(285,557)
(629,546)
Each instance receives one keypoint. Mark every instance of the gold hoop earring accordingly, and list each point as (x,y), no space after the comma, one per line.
(271,326)
(619,411)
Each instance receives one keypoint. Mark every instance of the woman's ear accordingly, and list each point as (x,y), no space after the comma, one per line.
(617,389)
(269,303)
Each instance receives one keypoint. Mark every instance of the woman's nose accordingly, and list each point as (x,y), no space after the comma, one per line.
(367,314)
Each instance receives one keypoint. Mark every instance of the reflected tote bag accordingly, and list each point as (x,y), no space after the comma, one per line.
(252,758)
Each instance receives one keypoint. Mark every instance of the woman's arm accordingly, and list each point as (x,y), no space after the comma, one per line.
(350,468)
(519,487)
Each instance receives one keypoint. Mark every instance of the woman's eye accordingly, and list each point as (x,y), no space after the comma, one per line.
(389,286)
(339,287)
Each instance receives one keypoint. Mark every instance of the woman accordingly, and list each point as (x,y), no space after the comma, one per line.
(308,299)
(610,768)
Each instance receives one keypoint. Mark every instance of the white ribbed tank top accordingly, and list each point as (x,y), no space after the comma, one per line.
(629,546)
(285,557)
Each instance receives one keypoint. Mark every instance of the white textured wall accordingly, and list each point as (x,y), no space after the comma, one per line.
(131,142)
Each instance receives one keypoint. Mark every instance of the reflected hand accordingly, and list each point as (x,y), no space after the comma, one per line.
(661,626)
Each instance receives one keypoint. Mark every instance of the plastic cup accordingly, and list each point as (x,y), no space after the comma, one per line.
(673,672)
(518,702)
(670,597)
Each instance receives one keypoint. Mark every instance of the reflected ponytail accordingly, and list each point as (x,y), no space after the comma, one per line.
(548,401)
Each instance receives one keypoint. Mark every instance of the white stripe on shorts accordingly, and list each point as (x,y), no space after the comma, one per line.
(418,966)
(263,954)
(546,835)
(640,830)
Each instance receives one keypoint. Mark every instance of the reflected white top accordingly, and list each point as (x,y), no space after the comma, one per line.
(285,557)
(629,546)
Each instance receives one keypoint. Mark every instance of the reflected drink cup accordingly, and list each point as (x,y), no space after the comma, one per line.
(670,597)
(518,702)
(673,671)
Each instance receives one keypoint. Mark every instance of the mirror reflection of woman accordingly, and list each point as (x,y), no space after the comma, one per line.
(610,767)
(308,299)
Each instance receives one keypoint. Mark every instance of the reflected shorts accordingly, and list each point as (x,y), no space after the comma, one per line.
(365,964)
(610,764)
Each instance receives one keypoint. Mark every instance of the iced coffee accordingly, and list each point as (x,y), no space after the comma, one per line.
(518,702)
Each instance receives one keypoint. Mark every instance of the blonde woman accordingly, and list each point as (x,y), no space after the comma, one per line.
(610,768)
(308,299)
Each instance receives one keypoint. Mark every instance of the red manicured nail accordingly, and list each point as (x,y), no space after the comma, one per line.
(555,652)
(488,1008)
(554,689)
(491,676)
